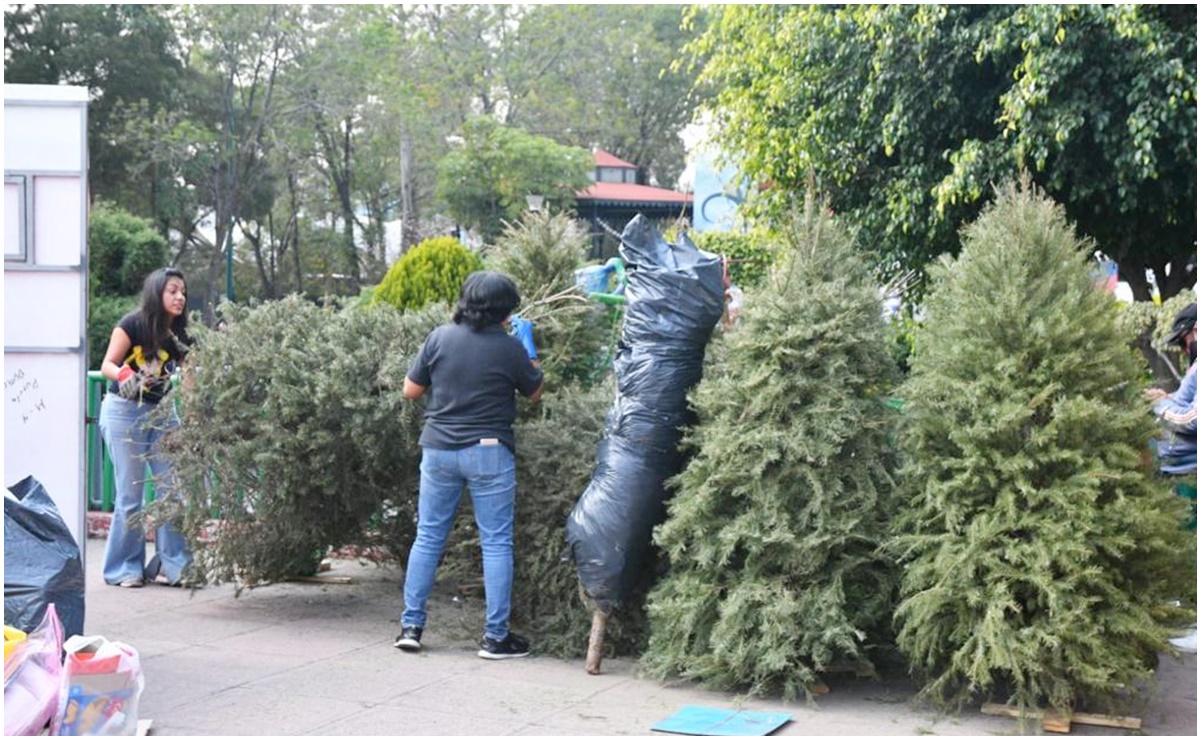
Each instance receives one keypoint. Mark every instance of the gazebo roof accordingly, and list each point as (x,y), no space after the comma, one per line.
(605,159)
(629,193)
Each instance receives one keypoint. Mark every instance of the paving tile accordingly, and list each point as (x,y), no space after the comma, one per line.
(388,720)
(300,638)
(196,673)
(292,659)
(245,711)
(375,675)
(186,627)
(490,695)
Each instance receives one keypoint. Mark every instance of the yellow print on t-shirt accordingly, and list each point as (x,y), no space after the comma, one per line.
(153,367)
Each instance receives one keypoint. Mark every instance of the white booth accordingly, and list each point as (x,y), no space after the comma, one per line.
(45,292)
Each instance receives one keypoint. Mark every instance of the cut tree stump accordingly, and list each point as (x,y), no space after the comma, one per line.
(1054,722)
(596,642)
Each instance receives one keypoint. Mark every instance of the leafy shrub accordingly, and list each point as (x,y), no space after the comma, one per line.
(122,250)
(1040,555)
(295,435)
(431,272)
(902,333)
(541,254)
(751,254)
(104,311)
(1145,324)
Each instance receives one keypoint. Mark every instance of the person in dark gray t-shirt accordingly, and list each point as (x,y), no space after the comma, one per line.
(469,371)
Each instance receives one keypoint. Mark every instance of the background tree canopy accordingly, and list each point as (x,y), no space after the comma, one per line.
(906,114)
(485,181)
(294,134)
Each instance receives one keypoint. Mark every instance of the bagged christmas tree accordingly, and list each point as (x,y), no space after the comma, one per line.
(1041,558)
(773,534)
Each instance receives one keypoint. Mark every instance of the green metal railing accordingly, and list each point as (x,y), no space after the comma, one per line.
(101,485)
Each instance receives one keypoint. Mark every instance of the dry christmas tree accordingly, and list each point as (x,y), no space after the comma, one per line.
(773,534)
(1040,555)
(556,452)
(573,334)
(295,438)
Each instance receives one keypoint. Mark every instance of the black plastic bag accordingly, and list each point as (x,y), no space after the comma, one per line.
(675,299)
(42,564)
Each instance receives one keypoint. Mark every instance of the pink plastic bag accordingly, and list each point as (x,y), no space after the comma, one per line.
(31,688)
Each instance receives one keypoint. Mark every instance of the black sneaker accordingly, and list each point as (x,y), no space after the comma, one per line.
(513,646)
(409,639)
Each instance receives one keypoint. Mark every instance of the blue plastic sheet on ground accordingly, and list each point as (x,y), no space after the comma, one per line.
(694,720)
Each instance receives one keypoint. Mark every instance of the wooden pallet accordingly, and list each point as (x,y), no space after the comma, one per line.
(1054,722)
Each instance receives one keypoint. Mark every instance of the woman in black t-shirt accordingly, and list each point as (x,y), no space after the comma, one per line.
(471,369)
(147,346)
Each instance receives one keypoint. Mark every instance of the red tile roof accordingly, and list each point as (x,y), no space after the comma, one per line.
(631,193)
(605,159)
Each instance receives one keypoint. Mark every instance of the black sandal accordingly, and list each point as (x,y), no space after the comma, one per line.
(154,573)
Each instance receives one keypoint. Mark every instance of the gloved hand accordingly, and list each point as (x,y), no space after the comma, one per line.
(129,383)
(523,329)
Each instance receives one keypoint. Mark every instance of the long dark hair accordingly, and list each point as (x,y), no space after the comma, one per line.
(161,328)
(486,298)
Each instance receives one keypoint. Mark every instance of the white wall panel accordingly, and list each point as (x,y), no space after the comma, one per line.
(43,139)
(43,309)
(57,220)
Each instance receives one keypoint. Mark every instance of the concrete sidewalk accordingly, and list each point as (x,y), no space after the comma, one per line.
(317,659)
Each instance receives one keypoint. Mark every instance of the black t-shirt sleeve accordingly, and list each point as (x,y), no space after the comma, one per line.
(526,377)
(130,324)
(419,371)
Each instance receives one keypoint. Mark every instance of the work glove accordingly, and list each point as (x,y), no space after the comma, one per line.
(523,329)
(129,383)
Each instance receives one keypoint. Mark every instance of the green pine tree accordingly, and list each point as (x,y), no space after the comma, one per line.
(1039,554)
(773,535)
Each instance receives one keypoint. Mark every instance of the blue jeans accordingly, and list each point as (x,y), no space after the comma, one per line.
(131,441)
(490,472)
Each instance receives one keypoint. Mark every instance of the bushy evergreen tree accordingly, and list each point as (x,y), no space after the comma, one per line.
(773,535)
(541,253)
(295,437)
(1039,554)
(431,272)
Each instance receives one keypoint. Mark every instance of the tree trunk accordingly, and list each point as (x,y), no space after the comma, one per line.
(352,252)
(1135,275)
(409,235)
(596,642)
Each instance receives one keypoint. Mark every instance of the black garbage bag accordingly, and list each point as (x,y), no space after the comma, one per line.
(42,564)
(675,299)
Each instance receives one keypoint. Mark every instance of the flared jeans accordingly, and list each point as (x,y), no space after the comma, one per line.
(132,441)
(490,473)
